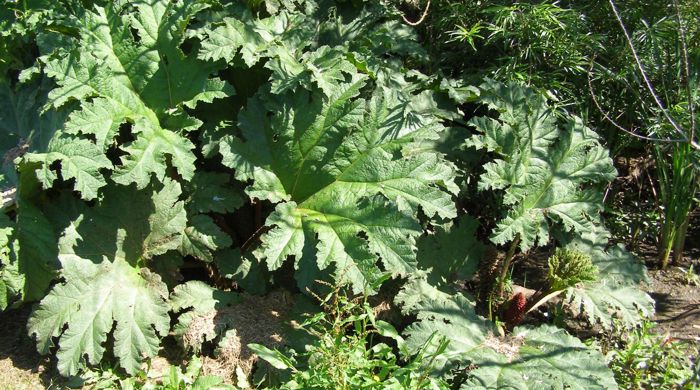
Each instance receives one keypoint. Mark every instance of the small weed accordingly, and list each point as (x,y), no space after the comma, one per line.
(690,277)
(648,360)
(345,354)
(191,378)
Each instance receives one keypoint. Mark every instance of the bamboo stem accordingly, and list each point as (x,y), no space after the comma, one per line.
(679,242)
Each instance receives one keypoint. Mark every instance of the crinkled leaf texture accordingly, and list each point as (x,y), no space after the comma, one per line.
(348,181)
(541,358)
(549,168)
(207,192)
(104,287)
(252,39)
(35,236)
(93,297)
(281,39)
(80,159)
(126,66)
(11,281)
(23,128)
(545,357)
(199,305)
(450,253)
(616,295)
(441,315)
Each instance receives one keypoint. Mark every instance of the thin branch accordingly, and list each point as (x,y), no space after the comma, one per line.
(644,75)
(422,18)
(612,121)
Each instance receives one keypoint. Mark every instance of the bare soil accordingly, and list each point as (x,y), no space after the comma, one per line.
(677,295)
(21,367)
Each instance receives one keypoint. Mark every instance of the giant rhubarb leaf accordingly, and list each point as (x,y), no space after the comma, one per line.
(548,167)
(11,281)
(80,159)
(90,300)
(246,35)
(344,38)
(540,358)
(347,180)
(23,128)
(281,38)
(616,295)
(452,252)
(127,67)
(442,316)
(104,288)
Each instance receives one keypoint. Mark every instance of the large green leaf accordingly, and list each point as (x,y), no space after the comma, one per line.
(442,316)
(451,253)
(616,295)
(23,128)
(38,225)
(603,302)
(248,36)
(212,192)
(35,248)
(348,179)
(90,301)
(325,67)
(127,67)
(548,168)
(101,254)
(542,358)
(80,159)
(155,223)
(202,237)
(538,358)
(11,281)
